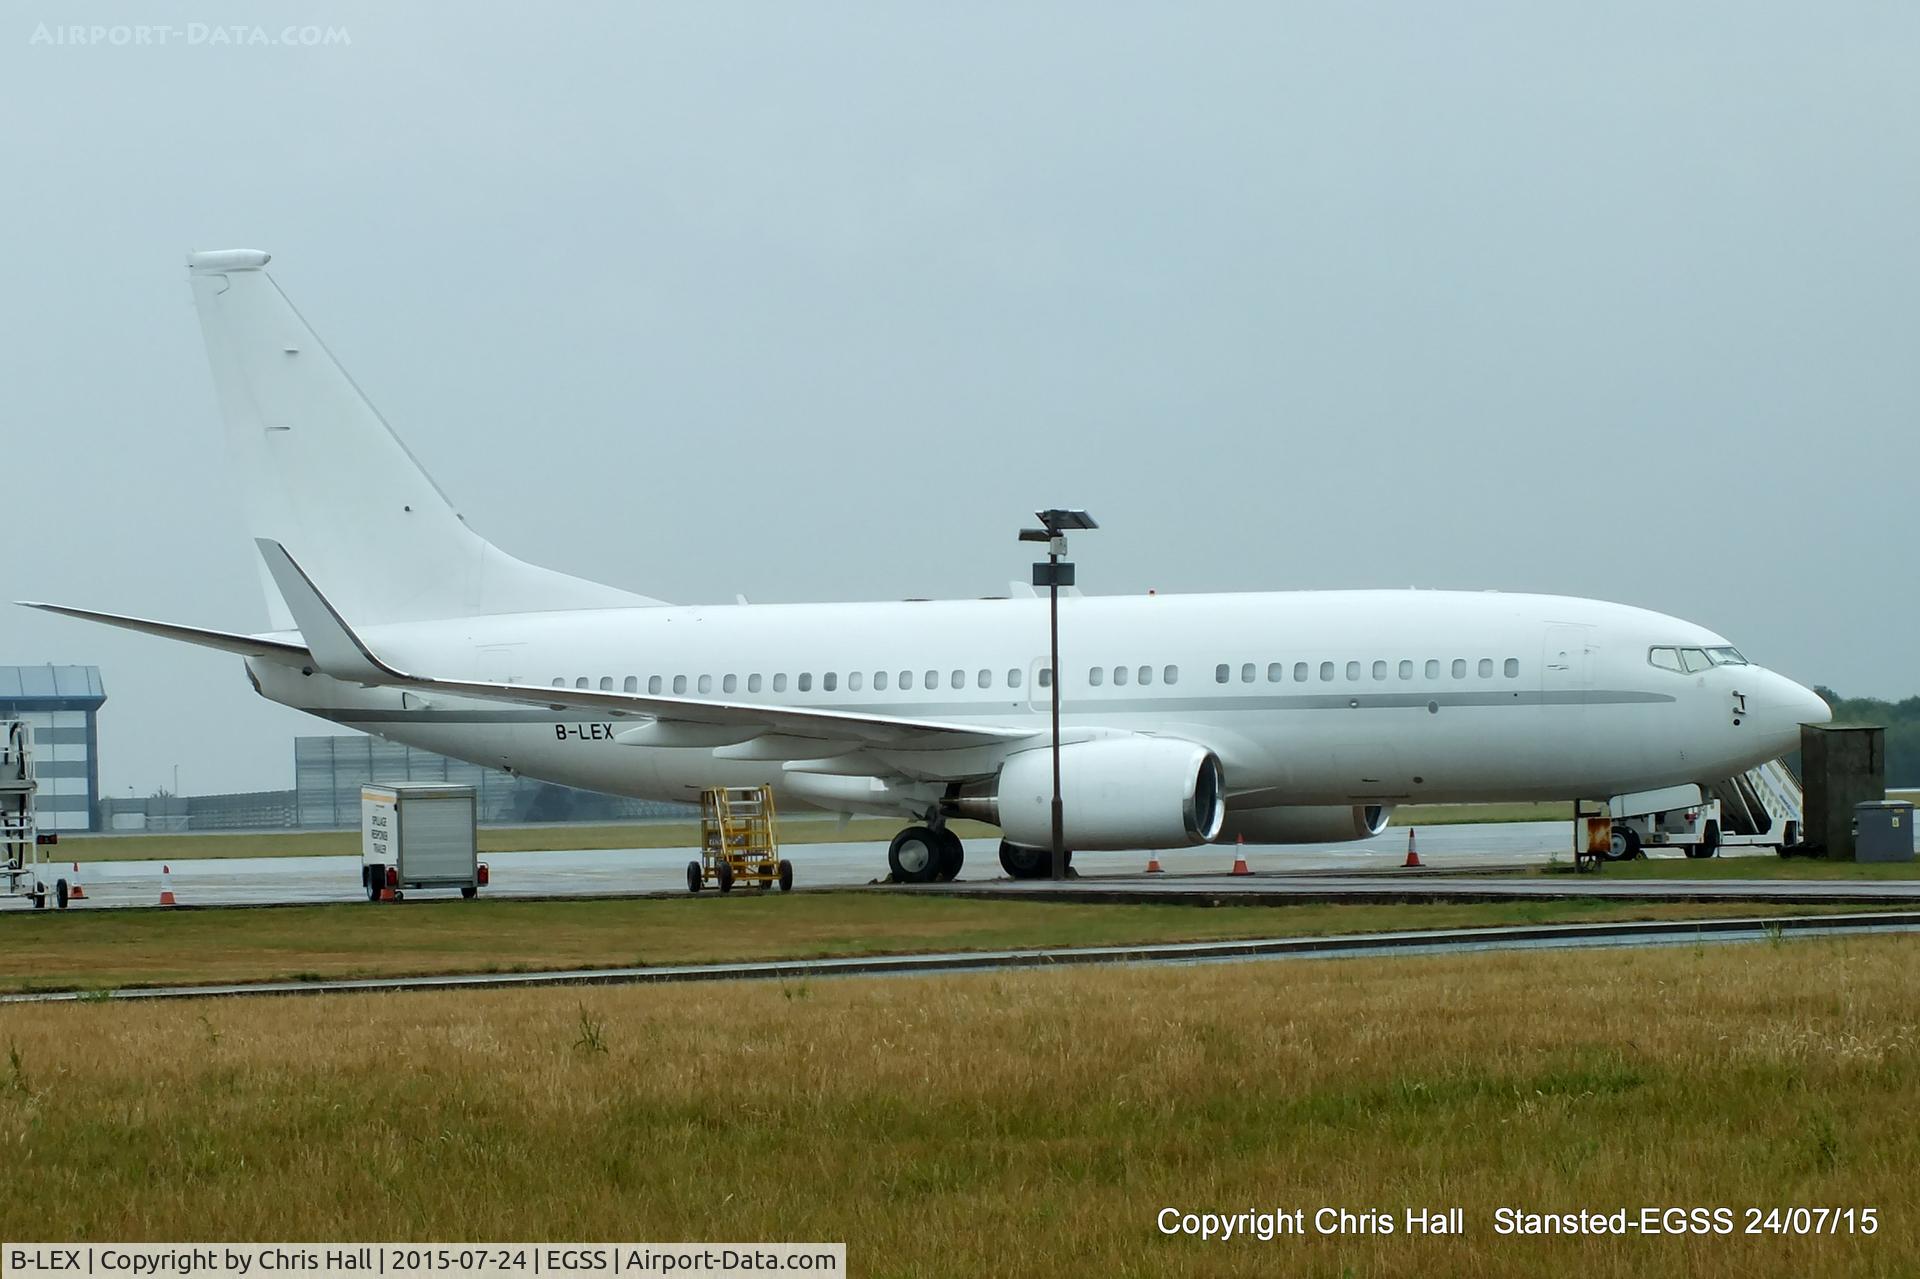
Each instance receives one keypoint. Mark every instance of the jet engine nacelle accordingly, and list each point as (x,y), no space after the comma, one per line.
(1117,792)
(1316,824)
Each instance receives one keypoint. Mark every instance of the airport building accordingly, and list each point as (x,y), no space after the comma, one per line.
(60,703)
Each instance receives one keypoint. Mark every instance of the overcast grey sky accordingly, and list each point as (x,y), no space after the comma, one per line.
(1617,300)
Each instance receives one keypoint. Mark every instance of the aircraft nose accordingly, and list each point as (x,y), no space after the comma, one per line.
(1791,705)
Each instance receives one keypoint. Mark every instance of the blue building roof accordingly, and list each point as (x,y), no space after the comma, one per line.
(50,683)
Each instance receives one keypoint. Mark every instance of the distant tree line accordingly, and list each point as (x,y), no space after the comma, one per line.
(1901,719)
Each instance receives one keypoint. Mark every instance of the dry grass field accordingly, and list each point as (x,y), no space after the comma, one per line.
(1023,1123)
(98,950)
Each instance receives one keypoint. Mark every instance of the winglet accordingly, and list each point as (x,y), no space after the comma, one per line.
(336,650)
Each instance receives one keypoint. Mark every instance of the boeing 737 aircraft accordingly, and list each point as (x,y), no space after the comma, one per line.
(1283,718)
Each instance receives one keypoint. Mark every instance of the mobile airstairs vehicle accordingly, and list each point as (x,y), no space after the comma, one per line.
(1760,807)
(21,873)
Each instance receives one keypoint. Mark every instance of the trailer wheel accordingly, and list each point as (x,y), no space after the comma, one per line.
(723,872)
(374,877)
(1625,846)
(1709,842)
(39,897)
(60,893)
(694,879)
(469,891)
(786,875)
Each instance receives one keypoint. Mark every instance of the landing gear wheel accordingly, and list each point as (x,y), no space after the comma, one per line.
(1029,863)
(786,875)
(694,879)
(723,873)
(1709,844)
(914,856)
(60,893)
(1625,846)
(952,857)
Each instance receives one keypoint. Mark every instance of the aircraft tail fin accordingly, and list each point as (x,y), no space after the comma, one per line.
(326,477)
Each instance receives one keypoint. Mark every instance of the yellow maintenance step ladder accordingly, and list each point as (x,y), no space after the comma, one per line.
(738,844)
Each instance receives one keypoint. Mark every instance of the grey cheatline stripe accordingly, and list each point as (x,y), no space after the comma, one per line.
(1352,945)
(1078,705)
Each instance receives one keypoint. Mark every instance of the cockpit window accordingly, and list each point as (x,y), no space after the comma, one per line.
(1695,659)
(1726,656)
(1667,659)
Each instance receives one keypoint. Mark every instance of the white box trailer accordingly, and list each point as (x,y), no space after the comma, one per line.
(418,835)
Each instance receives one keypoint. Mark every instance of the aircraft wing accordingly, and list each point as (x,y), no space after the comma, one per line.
(340,652)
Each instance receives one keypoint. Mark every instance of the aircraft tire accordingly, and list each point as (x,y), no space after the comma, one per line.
(1029,863)
(914,856)
(953,855)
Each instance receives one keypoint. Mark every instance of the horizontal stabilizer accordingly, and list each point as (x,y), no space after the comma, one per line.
(225,641)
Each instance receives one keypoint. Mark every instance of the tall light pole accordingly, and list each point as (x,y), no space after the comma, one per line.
(1054,574)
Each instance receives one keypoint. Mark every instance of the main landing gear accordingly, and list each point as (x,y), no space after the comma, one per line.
(1029,863)
(925,855)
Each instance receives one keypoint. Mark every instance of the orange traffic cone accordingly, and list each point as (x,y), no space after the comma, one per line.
(1413,854)
(1240,866)
(1153,866)
(75,893)
(166,885)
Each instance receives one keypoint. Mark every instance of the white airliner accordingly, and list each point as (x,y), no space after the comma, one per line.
(1283,718)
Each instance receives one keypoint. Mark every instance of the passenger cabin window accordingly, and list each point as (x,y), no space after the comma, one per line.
(879,681)
(780,682)
(1013,677)
(1433,668)
(706,683)
(559,681)
(1097,676)
(1120,675)
(986,679)
(829,682)
(1353,670)
(958,680)
(1486,668)
(806,681)
(933,680)
(1046,677)
(1145,675)
(1246,673)
(906,680)
(1220,673)
(1406,669)
(1459,668)
(653,683)
(1299,672)
(1170,675)
(753,683)
(1276,671)
(1326,672)
(730,683)
(1512,668)
(679,683)
(855,680)
(1379,669)
(580,682)
(606,683)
